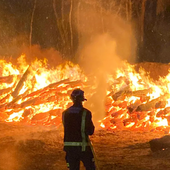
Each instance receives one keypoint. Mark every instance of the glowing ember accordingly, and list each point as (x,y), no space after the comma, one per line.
(35,94)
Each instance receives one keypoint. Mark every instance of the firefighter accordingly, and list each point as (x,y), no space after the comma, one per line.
(78,125)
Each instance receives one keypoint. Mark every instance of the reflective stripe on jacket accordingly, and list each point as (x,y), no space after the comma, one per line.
(77,122)
(83,144)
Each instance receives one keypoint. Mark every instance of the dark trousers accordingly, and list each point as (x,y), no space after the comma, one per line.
(74,155)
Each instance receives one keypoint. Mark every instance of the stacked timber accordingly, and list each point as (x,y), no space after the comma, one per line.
(27,107)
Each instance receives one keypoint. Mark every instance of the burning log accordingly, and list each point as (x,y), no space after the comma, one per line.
(120,94)
(56,97)
(40,91)
(4,91)
(3,116)
(73,84)
(160,104)
(142,115)
(128,121)
(2,107)
(52,98)
(6,79)
(27,112)
(160,113)
(149,105)
(28,102)
(167,110)
(16,108)
(21,82)
(123,104)
(3,100)
(21,96)
(53,85)
(133,107)
(139,93)
(163,113)
(43,95)
(40,117)
(126,92)
(41,99)
(168,119)
(118,113)
(12,106)
(132,119)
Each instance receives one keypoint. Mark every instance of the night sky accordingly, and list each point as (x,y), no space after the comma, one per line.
(16,17)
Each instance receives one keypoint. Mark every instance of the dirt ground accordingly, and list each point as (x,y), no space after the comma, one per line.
(24,147)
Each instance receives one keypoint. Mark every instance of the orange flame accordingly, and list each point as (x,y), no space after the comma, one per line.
(133,101)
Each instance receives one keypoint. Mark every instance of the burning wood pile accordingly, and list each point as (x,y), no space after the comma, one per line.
(137,102)
(36,94)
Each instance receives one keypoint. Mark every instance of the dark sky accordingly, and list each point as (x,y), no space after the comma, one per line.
(15,22)
(15,28)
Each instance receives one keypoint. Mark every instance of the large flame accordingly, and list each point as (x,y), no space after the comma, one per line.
(35,94)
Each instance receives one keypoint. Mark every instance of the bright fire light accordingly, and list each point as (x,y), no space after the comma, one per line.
(38,95)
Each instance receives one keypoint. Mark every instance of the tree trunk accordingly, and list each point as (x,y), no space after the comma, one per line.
(70,23)
(142,19)
(130,10)
(31,23)
(102,20)
(127,10)
(78,21)
(58,23)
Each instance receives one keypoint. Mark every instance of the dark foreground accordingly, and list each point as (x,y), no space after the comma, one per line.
(25,147)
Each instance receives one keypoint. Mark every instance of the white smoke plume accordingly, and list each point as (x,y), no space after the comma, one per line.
(105,41)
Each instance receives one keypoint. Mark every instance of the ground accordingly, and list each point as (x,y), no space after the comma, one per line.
(24,147)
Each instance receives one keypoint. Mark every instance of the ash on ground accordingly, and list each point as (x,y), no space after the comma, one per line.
(25,147)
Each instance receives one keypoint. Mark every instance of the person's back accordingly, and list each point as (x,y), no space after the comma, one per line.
(78,124)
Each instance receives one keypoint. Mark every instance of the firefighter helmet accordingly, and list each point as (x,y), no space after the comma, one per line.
(77,95)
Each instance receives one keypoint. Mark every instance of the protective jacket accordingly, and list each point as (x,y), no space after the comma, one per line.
(78,124)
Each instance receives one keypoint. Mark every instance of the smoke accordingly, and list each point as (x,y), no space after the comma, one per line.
(105,41)
(52,56)
(21,143)
(8,160)
(98,59)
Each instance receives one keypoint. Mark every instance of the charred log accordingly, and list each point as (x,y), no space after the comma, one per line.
(160,104)
(139,93)
(149,105)
(133,107)
(28,112)
(126,92)
(160,143)
(121,94)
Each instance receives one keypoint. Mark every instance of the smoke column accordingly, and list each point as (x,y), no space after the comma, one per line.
(105,41)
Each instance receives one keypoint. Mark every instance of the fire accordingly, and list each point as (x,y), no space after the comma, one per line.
(142,103)
(36,94)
